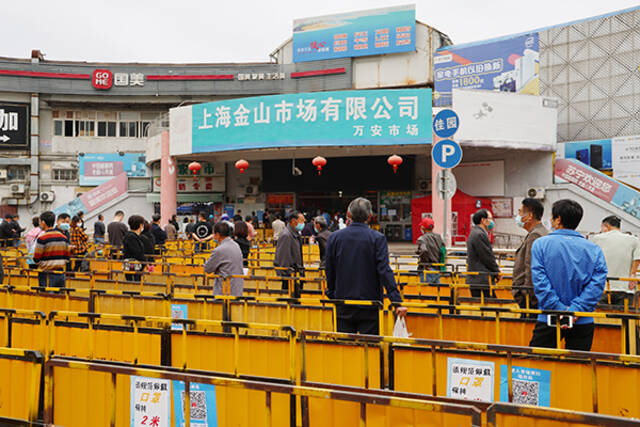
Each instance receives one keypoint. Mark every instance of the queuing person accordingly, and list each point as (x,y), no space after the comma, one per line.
(202,232)
(277,225)
(357,268)
(188,227)
(15,223)
(174,221)
(569,274)
(148,240)
(622,253)
(159,234)
(63,224)
(431,250)
(322,236)
(99,230)
(116,231)
(30,240)
(530,218)
(241,233)
(171,230)
(51,253)
(79,242)
(133,250)
(225,261)
(81,220)
(252,231)
(7,232)
(289,252)
(480,257)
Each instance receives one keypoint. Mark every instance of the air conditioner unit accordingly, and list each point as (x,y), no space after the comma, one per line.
(3,174)
(47,196)
(251,190)
(535,193)
(17,188)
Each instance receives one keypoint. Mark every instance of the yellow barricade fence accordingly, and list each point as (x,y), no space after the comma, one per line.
(21,373)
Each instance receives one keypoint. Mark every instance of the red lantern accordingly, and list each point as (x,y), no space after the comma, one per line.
(319,162)
(242,165)
(395,161)
(195,167)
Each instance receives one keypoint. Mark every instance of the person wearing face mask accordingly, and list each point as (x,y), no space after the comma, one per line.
(530,218)
(63,225)
(225,261)
(569,274)
(480,257)
(322,236)
(431,250)
(133,252)
(289,251)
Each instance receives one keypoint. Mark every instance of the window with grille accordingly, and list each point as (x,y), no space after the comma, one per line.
(65,174)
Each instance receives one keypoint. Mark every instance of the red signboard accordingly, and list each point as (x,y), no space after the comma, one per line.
(596,184)
(102,79)
(104,193)
(103,168)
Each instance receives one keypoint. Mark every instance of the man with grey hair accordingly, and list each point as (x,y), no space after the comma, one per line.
(322,236)
(357,267)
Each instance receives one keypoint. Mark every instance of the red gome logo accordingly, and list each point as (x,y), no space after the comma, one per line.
(102,79)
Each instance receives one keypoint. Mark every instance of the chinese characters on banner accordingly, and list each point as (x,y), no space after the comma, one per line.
(528,386)
(98,168)
(96,197)
(470,379)
(150,402)
(14,125)
(209,179)
(626,159)
(372,117)
(178,311)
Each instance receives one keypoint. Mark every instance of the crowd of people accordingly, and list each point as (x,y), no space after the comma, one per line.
(557,270)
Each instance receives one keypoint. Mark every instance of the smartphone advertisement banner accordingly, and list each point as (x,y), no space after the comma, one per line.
(595,153)
(507,65)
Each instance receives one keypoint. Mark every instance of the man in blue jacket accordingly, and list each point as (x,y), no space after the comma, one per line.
(357,267)
(569,274)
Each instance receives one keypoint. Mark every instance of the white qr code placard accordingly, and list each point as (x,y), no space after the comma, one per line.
(470,379)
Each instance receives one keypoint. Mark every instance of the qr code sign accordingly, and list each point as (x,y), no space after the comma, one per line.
(198,405)
(526,392)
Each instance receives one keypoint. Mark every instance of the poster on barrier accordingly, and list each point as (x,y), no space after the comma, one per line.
(150,402)
(202,399)
(470,379)
(178,311)
(529,386)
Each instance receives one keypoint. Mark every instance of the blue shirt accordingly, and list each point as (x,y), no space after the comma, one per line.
(568,272)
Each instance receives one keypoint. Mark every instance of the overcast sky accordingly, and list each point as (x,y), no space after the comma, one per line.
(242,30)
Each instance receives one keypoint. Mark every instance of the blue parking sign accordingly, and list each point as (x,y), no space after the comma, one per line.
(446,123)
(446,153)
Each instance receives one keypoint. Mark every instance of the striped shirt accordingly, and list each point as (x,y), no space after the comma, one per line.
(52,251)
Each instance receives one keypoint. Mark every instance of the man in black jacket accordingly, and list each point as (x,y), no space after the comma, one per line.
(18,229)
(159,234)
(289,251)
(133,251)
(7,232)
(480,257)
(357,268)
(322,236)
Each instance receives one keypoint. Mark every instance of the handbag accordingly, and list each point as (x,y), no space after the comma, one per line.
(132,264)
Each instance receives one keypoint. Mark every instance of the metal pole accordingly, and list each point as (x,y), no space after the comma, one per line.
(444,199)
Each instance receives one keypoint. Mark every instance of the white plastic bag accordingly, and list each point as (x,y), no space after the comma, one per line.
(400,329)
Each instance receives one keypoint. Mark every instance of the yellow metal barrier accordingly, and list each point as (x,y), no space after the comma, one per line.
(21,373)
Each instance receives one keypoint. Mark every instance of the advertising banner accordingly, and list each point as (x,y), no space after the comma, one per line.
(357,117)
(595,153)
(507,65)
(599,184)
(529,386)
(368,32)
(202,399)
(150,402)
(626,159)
(98,168)
(97,197)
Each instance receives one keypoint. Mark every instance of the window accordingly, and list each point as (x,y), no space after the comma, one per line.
(112,124)
(68,128)
(65,174)
(16,173)
(57,127)
(85,128)
(106,128)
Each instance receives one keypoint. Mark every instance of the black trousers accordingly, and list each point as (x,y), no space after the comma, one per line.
(533,304)
(476,291)
(579,337)
(355,320)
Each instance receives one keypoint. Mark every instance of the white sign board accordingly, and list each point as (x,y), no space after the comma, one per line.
(481,178)
(470,379)
(150,402)
(625,159)
(505,120)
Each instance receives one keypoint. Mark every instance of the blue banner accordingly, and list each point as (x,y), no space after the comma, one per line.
(596,153)
(202,398)
(529,386)
(369,32)
(98,168)
(357,117)
(508,65)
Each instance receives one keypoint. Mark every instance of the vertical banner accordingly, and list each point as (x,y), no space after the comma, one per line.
(202,399)
(626,159)
(470,379)
(150,402)
(96,197)
(178,311)
(529,386)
